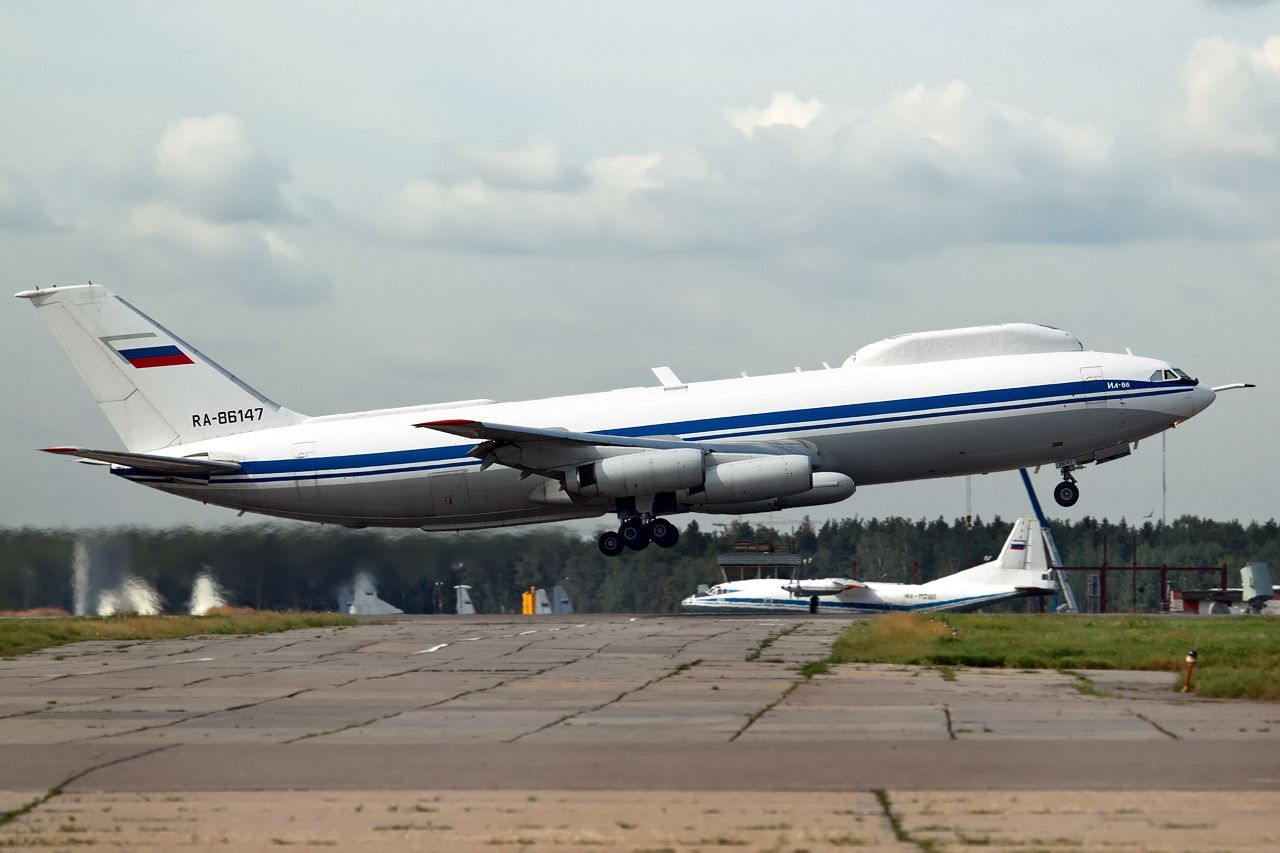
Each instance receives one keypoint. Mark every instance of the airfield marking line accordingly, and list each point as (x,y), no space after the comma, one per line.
(434,648)
(224,674)
(522,633)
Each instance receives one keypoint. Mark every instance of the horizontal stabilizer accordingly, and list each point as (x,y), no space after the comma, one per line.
(149,461)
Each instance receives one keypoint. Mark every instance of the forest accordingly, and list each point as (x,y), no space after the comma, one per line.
(298,567)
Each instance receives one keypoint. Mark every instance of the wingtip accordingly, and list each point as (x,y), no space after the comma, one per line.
(62,451)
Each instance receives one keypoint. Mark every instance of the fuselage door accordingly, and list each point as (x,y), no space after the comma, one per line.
(1095,386)
(450,494)
(304,457)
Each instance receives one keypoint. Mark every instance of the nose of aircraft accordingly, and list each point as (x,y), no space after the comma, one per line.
(1201,398)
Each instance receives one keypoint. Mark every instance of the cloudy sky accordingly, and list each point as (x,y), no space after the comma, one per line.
(409,203)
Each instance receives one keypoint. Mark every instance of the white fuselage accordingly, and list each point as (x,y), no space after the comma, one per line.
(768,595)
(876,424)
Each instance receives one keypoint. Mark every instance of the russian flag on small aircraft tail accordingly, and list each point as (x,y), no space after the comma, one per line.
(1017,546)
(144,350)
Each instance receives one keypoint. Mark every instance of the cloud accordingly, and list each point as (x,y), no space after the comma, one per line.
(538,164)
(216,212)
(609,206)
(211,166)
(21,208)
(965,127)
(260,264)
(784,109)
(1240,4)
(1231,98)
(927,167)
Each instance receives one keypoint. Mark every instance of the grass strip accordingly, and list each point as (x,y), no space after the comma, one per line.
(1238,657)
(895,823)
(21,636)
(14,814)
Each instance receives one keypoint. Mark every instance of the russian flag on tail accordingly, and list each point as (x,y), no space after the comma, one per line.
(1017,546)
(145,350)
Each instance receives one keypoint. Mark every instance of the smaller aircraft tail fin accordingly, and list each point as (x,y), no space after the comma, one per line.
(1020,563)
(560,601)
(155,388)
(541,604)
(1024,549)
(464,606)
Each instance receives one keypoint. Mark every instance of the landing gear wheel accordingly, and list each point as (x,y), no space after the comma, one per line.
(1066,493)
(610,543)
(813,604)
(663,533)
(634,534)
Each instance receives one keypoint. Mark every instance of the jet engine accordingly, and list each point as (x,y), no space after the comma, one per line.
(828,488)
(758,479)
(646,473)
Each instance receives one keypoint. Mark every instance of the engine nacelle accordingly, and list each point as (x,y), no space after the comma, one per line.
(828,488)
(645,473)
(758,479)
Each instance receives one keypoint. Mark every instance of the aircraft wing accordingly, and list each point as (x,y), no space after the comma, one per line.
(494,435)
(823,586)
(149,461)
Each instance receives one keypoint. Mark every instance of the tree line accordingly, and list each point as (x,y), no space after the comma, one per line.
(296,567)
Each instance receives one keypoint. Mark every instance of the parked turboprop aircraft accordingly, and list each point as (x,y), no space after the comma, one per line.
(1020,570)
(930,404)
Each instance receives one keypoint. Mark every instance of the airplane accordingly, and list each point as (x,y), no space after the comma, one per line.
(923,405)
(1020,570)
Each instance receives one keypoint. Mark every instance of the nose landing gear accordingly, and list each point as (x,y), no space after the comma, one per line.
(636,532)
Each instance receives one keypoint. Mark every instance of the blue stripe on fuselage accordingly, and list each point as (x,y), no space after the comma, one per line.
(733,426)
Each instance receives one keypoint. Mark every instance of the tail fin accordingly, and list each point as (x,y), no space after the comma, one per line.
(464,607)
(1021,562)
(155,388)
(1024,549)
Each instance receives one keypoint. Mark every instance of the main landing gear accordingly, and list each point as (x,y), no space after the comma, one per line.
(1067,492)
(636,532)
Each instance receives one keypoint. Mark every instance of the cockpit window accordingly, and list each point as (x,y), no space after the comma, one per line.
(1182,374)
(1157,376)
(1170,375)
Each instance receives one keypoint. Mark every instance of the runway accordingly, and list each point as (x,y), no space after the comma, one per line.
(573,708)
